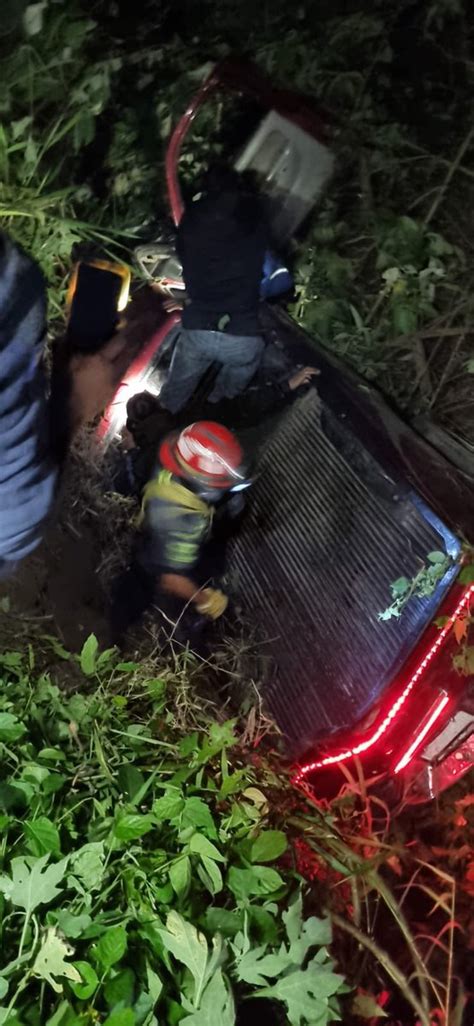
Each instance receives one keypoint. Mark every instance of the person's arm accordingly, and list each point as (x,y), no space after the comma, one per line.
(174,544)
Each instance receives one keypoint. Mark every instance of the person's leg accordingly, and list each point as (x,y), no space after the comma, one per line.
(240,357)
(190,361)
(132,595)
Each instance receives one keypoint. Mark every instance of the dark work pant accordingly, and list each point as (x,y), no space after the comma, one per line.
(196,351)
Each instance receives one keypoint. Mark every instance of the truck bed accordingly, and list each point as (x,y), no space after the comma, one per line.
(332,522)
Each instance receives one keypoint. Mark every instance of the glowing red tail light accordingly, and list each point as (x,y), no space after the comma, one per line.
(378,730)
(423,731)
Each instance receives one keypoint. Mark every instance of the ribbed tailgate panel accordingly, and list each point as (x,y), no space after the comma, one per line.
(314,563)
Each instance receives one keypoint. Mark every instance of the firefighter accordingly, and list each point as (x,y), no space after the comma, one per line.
(197,486)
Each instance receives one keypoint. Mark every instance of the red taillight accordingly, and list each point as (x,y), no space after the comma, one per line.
(378,730)
(423,731)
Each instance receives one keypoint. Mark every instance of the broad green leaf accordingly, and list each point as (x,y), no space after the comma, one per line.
(122,1017)
(168,806)
(257,880)
(268,846)
(42,836)
(366,1007)
(210,875)
(216,1007)
(220,920)
(33,18)
(120,989)
(155,985)
(89,981)
(3,987)
(29,887)
(180,876)
(72,925)
(10,727)
(88,864)
(437,557)
(131,826)
(305,993)
(88,656)
(467,575)
(400,587)
(255,965)
(111,946)
(293,917)
(63,1016)
(50,962)
(315,932)
(130,780)
(263,925)
(189,947)
(197,814)
(200,845)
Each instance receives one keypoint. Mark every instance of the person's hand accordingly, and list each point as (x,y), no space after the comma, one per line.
(212,603)
(302,377)
(95,379)
(127,440)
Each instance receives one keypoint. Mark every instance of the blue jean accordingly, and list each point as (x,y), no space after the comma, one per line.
(195,351)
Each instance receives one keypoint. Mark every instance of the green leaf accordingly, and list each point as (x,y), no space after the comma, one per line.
(437,557)
(88,656)
(305,993)
(255,965)
(216,1007)
(293,917)
(155,985)
(132,825)
(41,836)
(268,846)
(120,989)
(467,575)
(189,947)
(220,920)
(200,845)
(400,587)
(197,814)
(130,780)
(258,880)
(122,1017)
(3,987)
(89,981)
(27,888)
(169,806)
(33,18)
(366,1007)
(88,864)
(10,727)
(50,961)
(111,946)
(210,875)
(180,876)
(71,925)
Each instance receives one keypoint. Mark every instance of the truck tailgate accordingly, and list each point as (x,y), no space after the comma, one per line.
(327,532)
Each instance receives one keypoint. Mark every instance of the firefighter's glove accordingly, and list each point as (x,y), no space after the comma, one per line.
(212,603)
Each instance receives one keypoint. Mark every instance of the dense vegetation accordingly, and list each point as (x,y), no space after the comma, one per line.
(156,867)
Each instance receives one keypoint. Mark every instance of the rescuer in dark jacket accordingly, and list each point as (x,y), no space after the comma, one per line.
(200,471)
(222,240)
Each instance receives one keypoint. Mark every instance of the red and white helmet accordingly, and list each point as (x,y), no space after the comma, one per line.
(206,452)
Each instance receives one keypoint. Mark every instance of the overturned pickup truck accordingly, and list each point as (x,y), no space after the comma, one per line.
(348,500)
